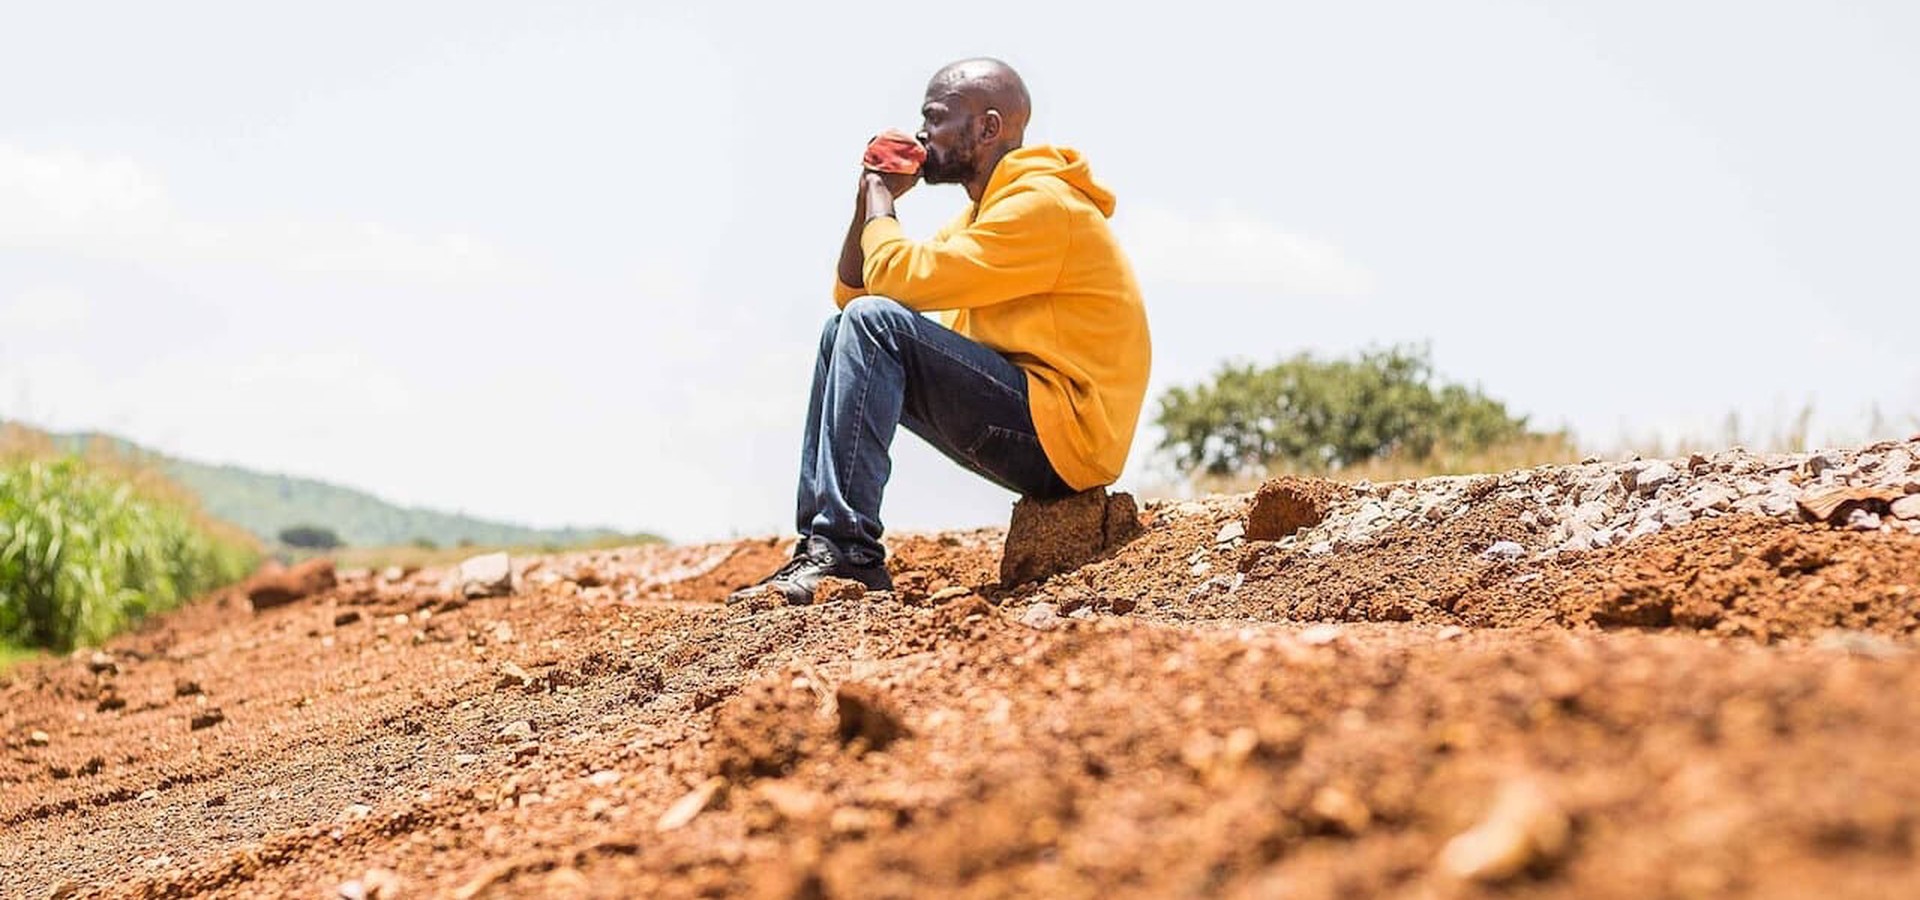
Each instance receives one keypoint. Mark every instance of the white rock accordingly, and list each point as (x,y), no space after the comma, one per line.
(488,575)
(1230,532)
(1504,550)
(1653,477)
(1861,520)
(1524,827)
(1041,617)
(1907,507)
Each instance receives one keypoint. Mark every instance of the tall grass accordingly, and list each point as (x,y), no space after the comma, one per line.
(86,551)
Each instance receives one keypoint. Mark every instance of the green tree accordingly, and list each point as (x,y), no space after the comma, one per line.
(309,537)
(1319,415)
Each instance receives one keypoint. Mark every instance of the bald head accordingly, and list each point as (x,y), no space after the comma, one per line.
(975,111)
(986,84)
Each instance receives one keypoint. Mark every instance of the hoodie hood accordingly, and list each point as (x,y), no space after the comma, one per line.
(1064,163)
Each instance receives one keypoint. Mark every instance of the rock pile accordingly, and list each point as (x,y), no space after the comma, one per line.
(1597,504)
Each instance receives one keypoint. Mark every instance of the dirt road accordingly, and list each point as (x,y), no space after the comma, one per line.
(1726,705)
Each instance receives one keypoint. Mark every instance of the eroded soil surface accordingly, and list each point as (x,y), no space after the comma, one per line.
(1723,706)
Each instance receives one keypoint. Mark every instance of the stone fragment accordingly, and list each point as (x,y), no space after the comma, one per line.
(1716,497)
(1524,829)
(512,676)
(1230,532)
(947,595)
(690,805)
(101,663)
(1907,507)
(487,575)
(1287,504)
(38,739)
(187,687)
(1836,506)
(1504,551)
(341,620)
(274,586)
(514,733)
(1652,477)
(206,718)
(1041,617)
(1047,537)
(838,590)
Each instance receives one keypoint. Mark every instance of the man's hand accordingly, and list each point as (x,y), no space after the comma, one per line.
(878,190)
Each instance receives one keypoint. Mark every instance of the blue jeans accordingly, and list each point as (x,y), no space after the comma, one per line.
(882,365)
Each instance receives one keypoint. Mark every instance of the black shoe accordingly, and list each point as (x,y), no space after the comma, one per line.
(814,559)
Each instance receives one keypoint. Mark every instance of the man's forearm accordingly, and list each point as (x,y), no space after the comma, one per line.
(851,257)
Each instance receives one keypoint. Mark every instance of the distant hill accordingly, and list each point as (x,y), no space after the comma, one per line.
(264,503)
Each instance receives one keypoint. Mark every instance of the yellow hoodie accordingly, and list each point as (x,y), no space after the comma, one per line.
(1034,272)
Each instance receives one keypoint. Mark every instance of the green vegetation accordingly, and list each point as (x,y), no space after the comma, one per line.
(84,552)
(266,504)
(309,537)
(1317,416)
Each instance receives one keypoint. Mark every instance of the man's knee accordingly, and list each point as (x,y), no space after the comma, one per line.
(873,315)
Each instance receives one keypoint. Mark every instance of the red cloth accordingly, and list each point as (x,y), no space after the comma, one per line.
(895,152)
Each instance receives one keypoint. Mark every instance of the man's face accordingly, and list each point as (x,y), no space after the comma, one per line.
(946,130)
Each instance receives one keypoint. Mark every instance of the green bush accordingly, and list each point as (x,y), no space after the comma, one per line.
(1313,415)
(83,554)
(309,537)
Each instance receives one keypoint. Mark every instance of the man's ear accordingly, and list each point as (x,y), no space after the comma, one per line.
(990,125)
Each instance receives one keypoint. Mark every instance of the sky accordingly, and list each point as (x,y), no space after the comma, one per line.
(566,263)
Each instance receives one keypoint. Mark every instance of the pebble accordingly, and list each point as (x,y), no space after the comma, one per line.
(487,575)
(1317,635)
(1524,828)
(38,739)
(690,806)
(1041,617)
(1907,507)
(1862,520)
(1230,532)
(514,733)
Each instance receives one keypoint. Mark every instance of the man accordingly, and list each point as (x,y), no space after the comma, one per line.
(1035,375)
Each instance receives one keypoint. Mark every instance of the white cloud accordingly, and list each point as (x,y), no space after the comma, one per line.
(1226,248)
(118,209)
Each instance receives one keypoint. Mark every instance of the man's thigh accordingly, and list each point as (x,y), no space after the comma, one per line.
(971,404)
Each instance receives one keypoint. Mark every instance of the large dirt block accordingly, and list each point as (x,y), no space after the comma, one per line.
(1048,537)
(1287,504)
(278,587)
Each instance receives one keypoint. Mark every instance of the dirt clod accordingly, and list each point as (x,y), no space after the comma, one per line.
(1047,537)
(867,720)
(279,587)
(1287,504)
(838,590)
(207,718)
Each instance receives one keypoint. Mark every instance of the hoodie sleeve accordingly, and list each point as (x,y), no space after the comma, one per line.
(844,293)
(1014,249)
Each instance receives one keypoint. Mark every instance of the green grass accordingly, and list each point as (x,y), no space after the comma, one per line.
(86,552)
(11,656)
